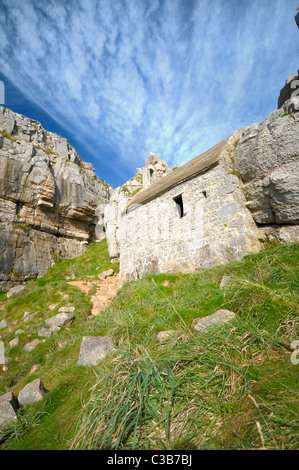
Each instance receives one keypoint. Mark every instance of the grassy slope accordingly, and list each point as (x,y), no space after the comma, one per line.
(233,387)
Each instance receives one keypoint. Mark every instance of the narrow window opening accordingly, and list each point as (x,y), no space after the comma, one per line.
(179,205)
(204,193)
(151,172)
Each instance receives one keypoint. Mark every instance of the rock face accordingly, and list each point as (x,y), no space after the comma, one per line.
(49,200)
(267,159)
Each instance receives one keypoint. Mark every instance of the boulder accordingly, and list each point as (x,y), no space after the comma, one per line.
(105,274)
(17,290)
(61,319)
(219,317)
(3,324)
(31,345)
(8,409)
(93,349)
(29,317)
(14,342)
(67,309)
(45,332)
(32,392)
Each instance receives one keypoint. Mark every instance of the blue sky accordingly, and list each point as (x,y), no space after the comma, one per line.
(122,78)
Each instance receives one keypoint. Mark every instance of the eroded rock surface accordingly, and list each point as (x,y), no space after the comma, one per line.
(48,199)
(267,158)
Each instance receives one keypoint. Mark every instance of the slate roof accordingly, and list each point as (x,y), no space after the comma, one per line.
(187,171)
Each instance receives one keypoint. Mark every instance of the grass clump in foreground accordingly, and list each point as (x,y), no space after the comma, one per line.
(231,387)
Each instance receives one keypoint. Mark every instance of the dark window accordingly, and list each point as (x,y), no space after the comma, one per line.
(151,172)
(204,193)
(179,204)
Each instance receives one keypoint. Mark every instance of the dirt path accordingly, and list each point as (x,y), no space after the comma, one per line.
(106,290)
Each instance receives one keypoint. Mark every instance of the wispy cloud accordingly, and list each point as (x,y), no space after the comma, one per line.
(172,77)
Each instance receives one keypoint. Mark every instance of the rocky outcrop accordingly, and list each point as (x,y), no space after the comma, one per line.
(297,17)
(290,89)
(267,159)
(49,200)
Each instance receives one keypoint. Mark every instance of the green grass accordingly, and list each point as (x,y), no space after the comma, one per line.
(232,387)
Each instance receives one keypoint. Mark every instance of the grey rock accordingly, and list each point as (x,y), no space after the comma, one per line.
(31,345)
(267,159)
(19,332)
(225,281)
(32,392)
(14,342)
(8,409)
(105,274)
(30,317)
(93,349)
(61,319)
(52,306)
(3,324)
(45,332)
(17,290)
(219,317)
(67,309)
(54,328)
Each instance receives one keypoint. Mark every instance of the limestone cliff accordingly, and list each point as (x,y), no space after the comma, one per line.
(49,199)
(267,158)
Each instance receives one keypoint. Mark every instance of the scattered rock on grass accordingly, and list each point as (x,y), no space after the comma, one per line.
(8,409)
(46,332)
(61,319)
(28,317)
(93,349)
(67,309)
(30,346)
(52,306)
(219,317)
(13,342)
(3,324)
(32,392)
(17,290)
